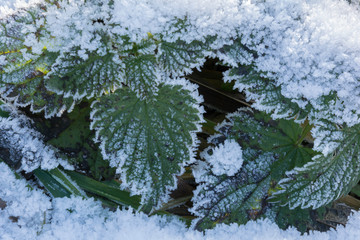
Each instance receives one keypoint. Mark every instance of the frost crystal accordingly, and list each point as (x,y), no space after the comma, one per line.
(29,214)
(225,158)
(25,146)
(306,52)
(28,207)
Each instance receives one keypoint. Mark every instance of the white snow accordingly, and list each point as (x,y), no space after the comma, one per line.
(309,48)
(8,7)
(75,218)
(25,144)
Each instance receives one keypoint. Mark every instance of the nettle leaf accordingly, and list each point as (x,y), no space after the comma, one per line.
(12,34)
(180,57)
(14,54)
(265,93)
(30,88)
(302,219)
(141,74)
(270,148)
(238,198)
(35,94)
(74,76)
(236,54)
(148,141)
(283,138)
(327,177)
(21,71)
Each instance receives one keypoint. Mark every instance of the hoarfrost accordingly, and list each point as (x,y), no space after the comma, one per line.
(25,209)
(25,146)
(225,158)
(29,214)
(8,7)
(308,49)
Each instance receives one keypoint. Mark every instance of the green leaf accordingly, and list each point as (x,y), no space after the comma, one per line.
(148,141)
(180,57)
(61,184)
(22,77)
(327,177)
(302,219)
(265,93)
(142,74)
(66,182)
(53,186)
(238,198)
(108,190)
(28,87)
(283,138)
(269,148)
(76,77)
(57,183)
(13,31)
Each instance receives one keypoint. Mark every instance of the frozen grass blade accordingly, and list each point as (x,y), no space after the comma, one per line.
(106,190)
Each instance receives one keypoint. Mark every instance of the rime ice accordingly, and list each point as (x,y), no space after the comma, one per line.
(226,158)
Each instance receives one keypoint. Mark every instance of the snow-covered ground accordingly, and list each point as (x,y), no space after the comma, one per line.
(75,218)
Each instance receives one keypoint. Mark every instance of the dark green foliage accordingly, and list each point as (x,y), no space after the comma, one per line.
(141,74)
(263,90)
(266,93)
(327,177)
(108,190)
(22,78)
(270,148)
(302,219)
(76,142)
(148,141)
(31,89)
(91,77)
(146,119)
(179,57)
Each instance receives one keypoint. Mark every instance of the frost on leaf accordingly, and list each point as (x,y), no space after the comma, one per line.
(269,149)
(30,88)
(73,76)
(238,198)
(327,177)
(15,51)
(148,141)
(25,64)
(225,159)
(180,57)
(142,74)
(23,147)
(306,54)
(267,96)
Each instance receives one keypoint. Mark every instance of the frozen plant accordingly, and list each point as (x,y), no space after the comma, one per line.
(297,60)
